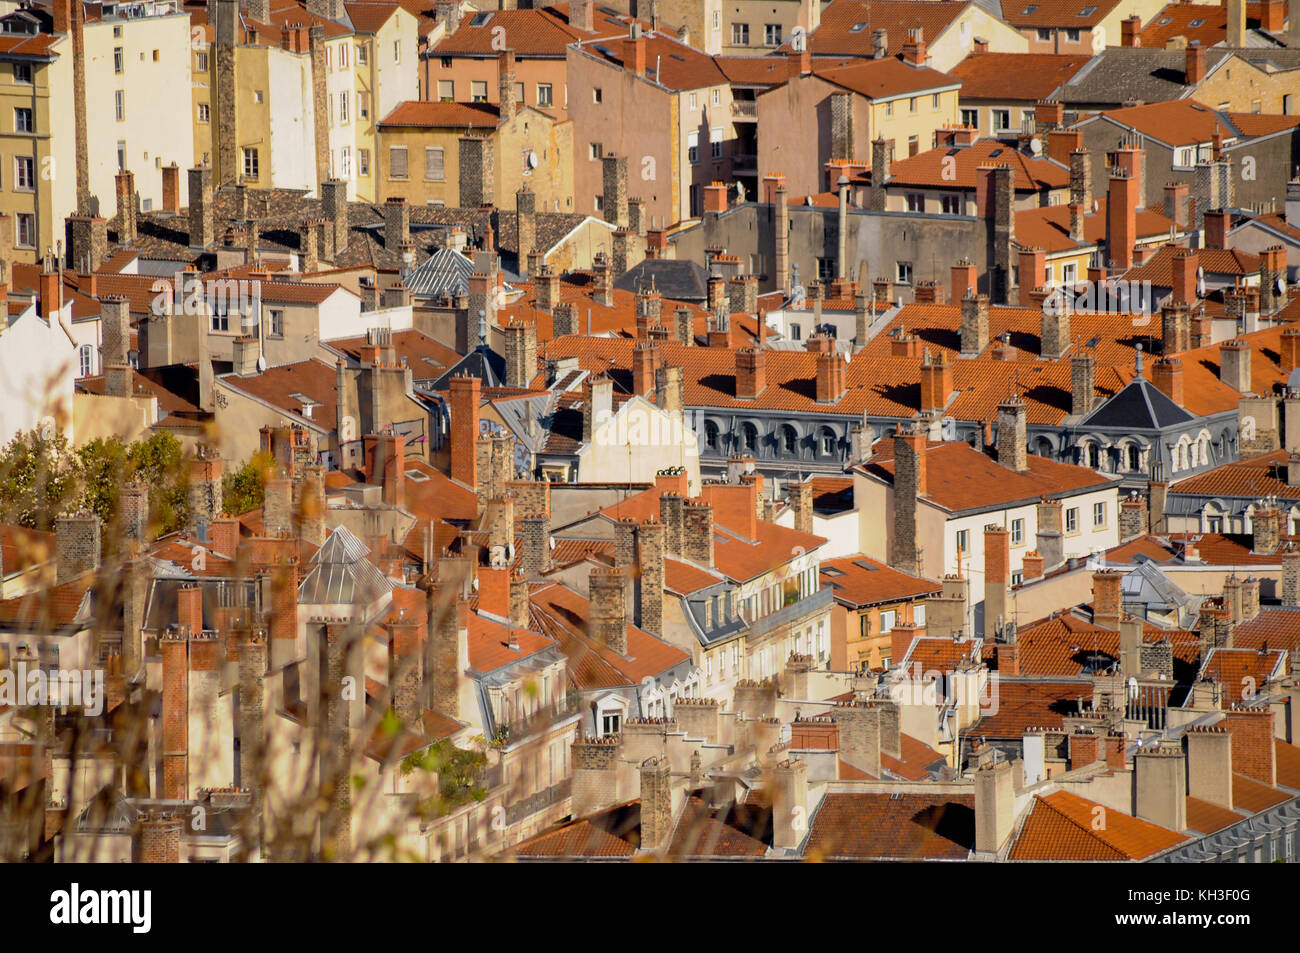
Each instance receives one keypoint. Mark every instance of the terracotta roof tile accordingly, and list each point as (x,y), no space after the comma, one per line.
(1274,627)
(1060,826)
(426,114)
(932,168)
(893,827)
(1030,703)
(861,581)
(1038,75)
(839,33)
(1251,795)
(1207,818)
(1058,13)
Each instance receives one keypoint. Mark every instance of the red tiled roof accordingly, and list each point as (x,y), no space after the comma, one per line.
(893,827)
(578,839)
(959,477)
(1048,227)
(1254,796)
(22,548)
(1252,478)
(1023,704)
(312,378)
(1178,122)
(1214,549)
(1209,818)
(1159,269)
(489,643)
(1061,826)
(426,114)
(49,609)
(1276,628)
(862,581)
(914,760)
(1061,644)
(881,79)
(934,169)
(1243,671)
(1288,764)
(1058,13)
(1037,75)
(839,33)
(701,832)
(538,32)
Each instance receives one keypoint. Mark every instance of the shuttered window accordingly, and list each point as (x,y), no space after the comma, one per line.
(433,168)
(397,162)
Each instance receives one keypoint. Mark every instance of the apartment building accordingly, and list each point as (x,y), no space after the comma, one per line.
(1066,26)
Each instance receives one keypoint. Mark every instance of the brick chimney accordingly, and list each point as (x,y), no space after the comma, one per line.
(646,361)
(832,377)
(1161,786)
(1167,376)
(914,48)
(974,324)
(1253,751)
(697,532)
(1130,29)
(963,280)
(1184,280)
(1209,764)
(1215,228)
(1012,451)
(1121,218)
(202,216)
(936,383)
(995,814)
(997,577)
(909,487)
(1106,602)
(465,398)
(521,353)
(715,197)
(1177,204)
(1193,64)
(751,372)
(1033,273)
(608,616)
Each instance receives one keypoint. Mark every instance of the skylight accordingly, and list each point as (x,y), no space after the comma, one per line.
(1087,11)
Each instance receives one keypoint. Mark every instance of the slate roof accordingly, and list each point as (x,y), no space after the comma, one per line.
(1139,406)
(678,279)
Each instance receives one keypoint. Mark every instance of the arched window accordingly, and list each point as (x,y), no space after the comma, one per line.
(1134,457)
(711,435)
(1043,447)
(826,442)
(789,441)
(1093,456)
(749,437)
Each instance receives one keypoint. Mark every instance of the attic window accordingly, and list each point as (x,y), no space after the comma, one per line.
(1164,21)
(857,27)
(1087,11)
(304,400)
(1028,10)
(1197,23)
(481,18)
(864,565)
(832,571)
(416,476)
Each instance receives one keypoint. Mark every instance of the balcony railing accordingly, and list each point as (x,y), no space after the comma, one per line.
(744,109)
(530,805)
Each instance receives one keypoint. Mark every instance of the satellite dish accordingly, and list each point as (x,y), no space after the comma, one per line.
(1036,146)
(1281,284)
(1200,282)
(261,362)
(1095,206)
(532,159)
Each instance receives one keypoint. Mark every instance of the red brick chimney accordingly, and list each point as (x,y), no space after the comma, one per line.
(914,49)
(936,383)
(1216,228)
(751,372)
(1121,219)
(646,361)
(1106,601)
(1185,264)
(1194,64)
(385,460)
(1130,29)
(1253,752)
(1167,375)
(634,52)
(1290,348)
(1033,274)
(715,197)
(465,391)
(831,377)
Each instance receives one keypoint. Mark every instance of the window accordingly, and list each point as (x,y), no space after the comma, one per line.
(363,105)
(1017,532)
(963,541)
(740,34)
(599,204)
(715,143)
(201,62)
(1098,514)
(1017,577)
(950,204)
(343,56)
(915,202)
(24,173)
(121,155)
(1072,520)
(887,620)
(1072,36)
(904,272)
(117,59)
(693,147)
(345,162)
(22,73)
(87,355)
(446,90)
(250,164)
(749,437)
(275,318)
(343,107)
(520,96)
(478,91)
(363,54)
(772,34)
(220,320)
(1044,35)
(545,95)
(970,118)
(796,333)
(789,441)
(596,95)
(595,151)
(717,19)
(26,230)
(23,119)
(609,723)
(1185,156)
(715,97)
(913,145)
(155,56)
(692,102)
(1069,273)
(826,442)
(204,112)
(363,162)
(397,51)
(397,162)
(1001,120)
(434,170)
(119,104)
(711,435)
(889,108)
(911,105)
